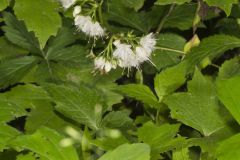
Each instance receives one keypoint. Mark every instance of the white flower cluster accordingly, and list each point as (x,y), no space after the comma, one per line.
(125,55)
(129,51)
(128,56)
(103,64)
(86,24)
(67,3)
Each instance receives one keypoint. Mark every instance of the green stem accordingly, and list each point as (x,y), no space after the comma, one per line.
(214,65)
(100,12)
(197,18)
(164,19)
(169,49)
(108,50)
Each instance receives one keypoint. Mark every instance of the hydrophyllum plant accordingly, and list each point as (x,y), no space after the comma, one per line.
(119,79)
(126,51)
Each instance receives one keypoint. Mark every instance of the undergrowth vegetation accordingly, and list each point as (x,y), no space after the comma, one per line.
(119,79)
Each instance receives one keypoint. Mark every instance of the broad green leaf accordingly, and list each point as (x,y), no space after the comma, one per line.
(81,104)
(230,68)
(75,53)
(181,154)
(136,4)
(108,143)
(108,93)
(3,4)
(78,70)
(160,138)
(229,26)
(136,151)
(66,71)
(8,50)
(165,2)
(60,49)
(198,107)
(69,71)
(210,143)
(51,71)
(119,13)
(16,32)
(229,92)
(32,97)
(229,149)
(44,21)
(226,5)
(35,118)
(14,70)
(117,119)
(24,95)
(45,142)
(82,73)
(143,21)
(169,80)
(7,133)
(109,139)
(157,135)
(140,92)
(64,37)
(181,19)
(167,53)
(211,47)
(10,111)
(142,119)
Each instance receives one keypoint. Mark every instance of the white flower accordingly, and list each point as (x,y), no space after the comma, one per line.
(67,3)
(141,54)
(96,30)
(99,63)
(76,10)
(81,20)
(148,42)
(86,25)
(102,64)
(125,55)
